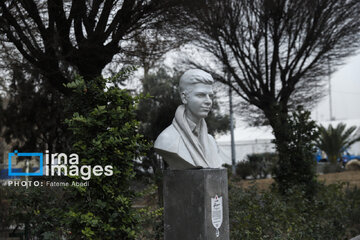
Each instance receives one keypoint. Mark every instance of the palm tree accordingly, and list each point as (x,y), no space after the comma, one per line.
(335,140)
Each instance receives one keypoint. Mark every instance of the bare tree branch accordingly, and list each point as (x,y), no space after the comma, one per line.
(60,36)
(273,47)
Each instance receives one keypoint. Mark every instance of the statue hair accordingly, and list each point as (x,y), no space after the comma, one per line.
(194,76)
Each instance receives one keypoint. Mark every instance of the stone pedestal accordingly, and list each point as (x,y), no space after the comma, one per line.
(195,201)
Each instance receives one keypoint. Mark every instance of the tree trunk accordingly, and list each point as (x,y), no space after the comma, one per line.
(92,59)
(90,71)
(278,121)
(293,139)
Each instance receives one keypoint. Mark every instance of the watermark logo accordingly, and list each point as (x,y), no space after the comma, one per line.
(15,154)
(60,164)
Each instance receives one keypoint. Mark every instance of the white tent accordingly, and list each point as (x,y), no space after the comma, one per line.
(250,140)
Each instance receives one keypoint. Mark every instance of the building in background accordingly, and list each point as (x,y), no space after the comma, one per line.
(250,140)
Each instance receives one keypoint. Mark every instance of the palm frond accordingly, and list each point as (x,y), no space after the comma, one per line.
(334,140)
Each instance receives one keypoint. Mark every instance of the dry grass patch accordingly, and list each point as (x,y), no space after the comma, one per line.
(351,177)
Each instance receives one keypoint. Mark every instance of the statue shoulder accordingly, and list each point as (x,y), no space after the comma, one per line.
(213,142)
(212,139)
(168,139)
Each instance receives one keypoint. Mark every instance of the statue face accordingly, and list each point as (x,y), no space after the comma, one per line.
(198,101)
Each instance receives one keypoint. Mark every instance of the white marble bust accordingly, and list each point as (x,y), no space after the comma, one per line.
(186,144)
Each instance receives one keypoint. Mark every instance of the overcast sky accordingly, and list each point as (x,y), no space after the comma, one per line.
(345,88)
(345,93)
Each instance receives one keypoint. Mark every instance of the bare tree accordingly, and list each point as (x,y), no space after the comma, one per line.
(148,48)
(62,36)
(277,50)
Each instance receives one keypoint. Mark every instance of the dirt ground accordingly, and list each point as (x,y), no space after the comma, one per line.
(351,177)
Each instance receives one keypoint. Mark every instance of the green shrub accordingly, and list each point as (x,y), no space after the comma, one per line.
(262,164)
(229,170)
(35,212)
(243,169)
(296,165)
(256,165)
(353,201)
(331,214)
(105,131)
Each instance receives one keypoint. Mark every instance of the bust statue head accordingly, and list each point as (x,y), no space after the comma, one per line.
(186,144)
(196,93)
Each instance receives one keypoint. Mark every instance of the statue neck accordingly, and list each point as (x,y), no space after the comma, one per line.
(192,118)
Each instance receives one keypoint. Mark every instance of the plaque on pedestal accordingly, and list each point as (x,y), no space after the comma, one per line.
(196,204)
